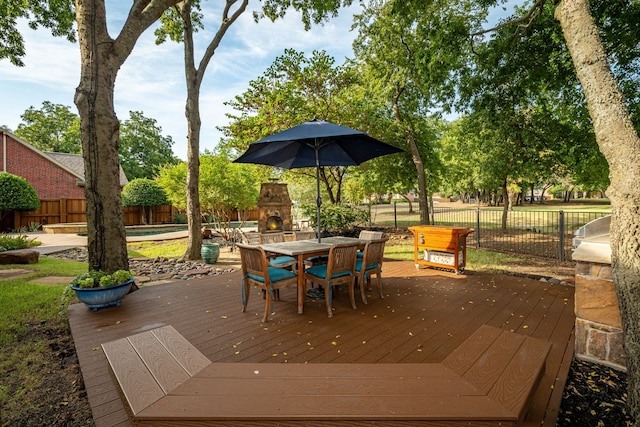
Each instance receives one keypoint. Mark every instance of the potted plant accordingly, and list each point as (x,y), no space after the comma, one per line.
(97,289)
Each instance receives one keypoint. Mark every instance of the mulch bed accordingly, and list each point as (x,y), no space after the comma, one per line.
(595,395)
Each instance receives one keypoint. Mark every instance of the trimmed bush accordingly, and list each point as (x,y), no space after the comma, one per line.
(16,194)
(144,192)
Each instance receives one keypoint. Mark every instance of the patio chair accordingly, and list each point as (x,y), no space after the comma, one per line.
(337,271)
(370,263)
(282,261)
(368,235)
(257,271)
(305,235)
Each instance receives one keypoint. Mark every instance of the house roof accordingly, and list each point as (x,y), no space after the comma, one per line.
(72,163)
(75,163)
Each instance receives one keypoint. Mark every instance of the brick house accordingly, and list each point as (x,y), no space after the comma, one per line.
(52,175)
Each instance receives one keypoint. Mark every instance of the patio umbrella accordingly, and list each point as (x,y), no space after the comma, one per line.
(313,144)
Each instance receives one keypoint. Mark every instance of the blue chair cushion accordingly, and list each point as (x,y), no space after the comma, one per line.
(321,271)
(369,267)
(276,274)
(284,259)
(322,259)
(359,254)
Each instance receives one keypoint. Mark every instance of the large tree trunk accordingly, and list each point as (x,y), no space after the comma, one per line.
(619,143)
(192,112)
(194,78)
(101,58)
(423,196)
(106,237)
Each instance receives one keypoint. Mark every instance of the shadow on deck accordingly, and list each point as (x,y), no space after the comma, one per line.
(424,316)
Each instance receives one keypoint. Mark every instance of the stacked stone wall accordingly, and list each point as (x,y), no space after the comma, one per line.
(598,322)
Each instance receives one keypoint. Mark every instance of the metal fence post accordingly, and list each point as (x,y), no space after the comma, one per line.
(395,215)
(477,228)
(561,228)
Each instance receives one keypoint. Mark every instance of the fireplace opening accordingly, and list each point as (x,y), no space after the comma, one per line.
(274,223)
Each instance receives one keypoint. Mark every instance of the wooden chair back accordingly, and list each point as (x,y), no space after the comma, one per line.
(271,238)
(373,252)
(372,257)
(341,258)
(255,272)
(254,261)
(305,235)
(370,235)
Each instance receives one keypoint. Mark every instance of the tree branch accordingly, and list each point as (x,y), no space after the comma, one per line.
(533,13)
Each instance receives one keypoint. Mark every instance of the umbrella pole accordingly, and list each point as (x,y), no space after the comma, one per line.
(318,198)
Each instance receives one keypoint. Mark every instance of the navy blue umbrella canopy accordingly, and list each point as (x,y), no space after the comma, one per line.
(316,143)
(335,145)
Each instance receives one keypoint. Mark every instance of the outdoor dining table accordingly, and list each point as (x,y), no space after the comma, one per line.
(303,249)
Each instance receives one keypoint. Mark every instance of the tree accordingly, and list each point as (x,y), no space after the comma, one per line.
(52,128)
(16,194)
(616,136)
(173,180)
(223,187)
(410,60)
(619,142)
(101,57)
(294,89)
(179,24)
(144,192)
(143,149)
(59,19)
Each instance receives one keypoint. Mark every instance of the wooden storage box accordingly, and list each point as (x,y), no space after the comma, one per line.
(440,246)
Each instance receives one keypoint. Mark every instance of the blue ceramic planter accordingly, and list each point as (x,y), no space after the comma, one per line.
(210,252)
(97,298)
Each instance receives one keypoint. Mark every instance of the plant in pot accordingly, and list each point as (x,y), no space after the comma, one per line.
(98,289)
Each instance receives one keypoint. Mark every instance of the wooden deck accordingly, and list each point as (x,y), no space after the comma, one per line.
(424,316)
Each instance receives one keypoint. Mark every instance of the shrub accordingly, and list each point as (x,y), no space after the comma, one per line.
(16,194)
(10,243)
(143,192)
(336,217)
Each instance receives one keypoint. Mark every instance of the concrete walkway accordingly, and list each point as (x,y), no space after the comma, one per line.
(53,243)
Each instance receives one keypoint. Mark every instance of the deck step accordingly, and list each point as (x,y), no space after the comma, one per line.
(488,380)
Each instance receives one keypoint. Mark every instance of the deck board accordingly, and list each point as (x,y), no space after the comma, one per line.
(424,316)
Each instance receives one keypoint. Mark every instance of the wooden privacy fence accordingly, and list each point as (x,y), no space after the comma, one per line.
(61,211)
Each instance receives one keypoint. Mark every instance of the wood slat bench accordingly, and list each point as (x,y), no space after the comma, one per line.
(487,381)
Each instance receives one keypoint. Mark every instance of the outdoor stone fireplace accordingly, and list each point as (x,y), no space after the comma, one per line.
(598,322)
(274,208)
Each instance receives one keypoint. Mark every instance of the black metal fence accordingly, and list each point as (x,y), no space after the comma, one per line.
(544,233)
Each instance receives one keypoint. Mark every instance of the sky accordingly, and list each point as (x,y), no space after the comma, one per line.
(152,78)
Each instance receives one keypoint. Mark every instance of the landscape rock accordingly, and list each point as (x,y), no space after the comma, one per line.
(20,256)
(156,269)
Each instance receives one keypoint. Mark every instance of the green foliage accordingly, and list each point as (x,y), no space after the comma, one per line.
(173,180)
(16,194)
(59,16)
(295,88)
(143,149)
(10,243)
(54,127)
(335,218)
(224,186)
(95,279)
(121,276)
(143,192)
